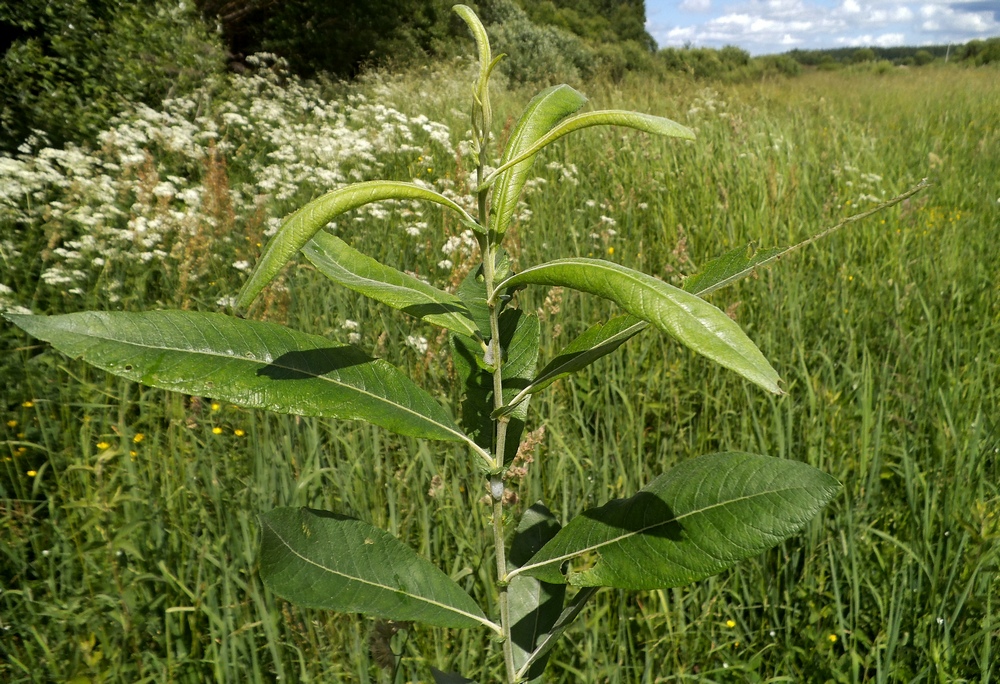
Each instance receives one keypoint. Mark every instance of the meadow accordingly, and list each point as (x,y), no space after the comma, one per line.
(127,515)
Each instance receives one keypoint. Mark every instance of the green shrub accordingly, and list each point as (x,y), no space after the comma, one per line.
(536,54)
(73,63)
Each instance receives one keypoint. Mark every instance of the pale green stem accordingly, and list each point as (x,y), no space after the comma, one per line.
(496,476)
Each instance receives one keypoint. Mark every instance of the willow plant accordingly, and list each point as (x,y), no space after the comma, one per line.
(695,520)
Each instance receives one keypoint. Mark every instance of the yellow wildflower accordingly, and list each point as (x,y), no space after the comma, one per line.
(216,406)
(28,404)
(216,430)
(239,432)
(103,445)
(12,423)
(730,623)
(32,473)
(138,437)
(832,638)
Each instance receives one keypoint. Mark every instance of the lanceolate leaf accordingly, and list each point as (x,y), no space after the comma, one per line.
(694,521)
(598,341)
(259,365)
(543,112)
(534,605)
(686,317)
(611,117)
(348,267)
(317,559)
(301,226)
(519,334)
(728,268)
(482,43)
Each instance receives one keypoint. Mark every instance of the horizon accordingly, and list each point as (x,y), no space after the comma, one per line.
(775,26)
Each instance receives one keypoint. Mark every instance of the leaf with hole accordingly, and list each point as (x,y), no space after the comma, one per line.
(699,518)
(317,559)
(258,365)
(687,318)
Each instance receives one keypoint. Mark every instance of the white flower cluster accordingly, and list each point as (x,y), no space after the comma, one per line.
(160,179)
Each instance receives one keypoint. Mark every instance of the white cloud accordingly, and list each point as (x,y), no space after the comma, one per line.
(696,5)
(774,25)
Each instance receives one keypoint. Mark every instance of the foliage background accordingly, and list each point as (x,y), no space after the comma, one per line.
(127,529)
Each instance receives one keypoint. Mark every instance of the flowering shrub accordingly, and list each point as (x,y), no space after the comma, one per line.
(164,183)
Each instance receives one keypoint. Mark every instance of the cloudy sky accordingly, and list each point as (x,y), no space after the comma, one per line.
(768,26)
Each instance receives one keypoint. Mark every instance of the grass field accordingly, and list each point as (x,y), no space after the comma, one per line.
(127,518)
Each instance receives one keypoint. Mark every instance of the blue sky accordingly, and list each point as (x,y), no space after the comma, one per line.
(768,26)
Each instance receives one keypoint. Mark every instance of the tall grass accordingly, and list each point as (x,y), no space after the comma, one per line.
(128,554)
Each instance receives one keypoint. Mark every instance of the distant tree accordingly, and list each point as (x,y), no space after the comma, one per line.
(979,52)
(863,55)
(922,57)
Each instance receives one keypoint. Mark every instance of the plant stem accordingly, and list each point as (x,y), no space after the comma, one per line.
(496,477)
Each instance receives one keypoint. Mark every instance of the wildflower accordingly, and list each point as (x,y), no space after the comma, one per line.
(730,623)
(103,445)
(353,338)
(418,343)
(133,454)
(32,473)
(12,423)
(216,430)
(348,324)
(28,404)
(138,437)
(611,251)
(216,406)
(832,638)
(239,432)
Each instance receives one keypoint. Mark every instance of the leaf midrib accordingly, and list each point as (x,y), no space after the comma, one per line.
(646,287)
(643,530)
(461,436)
(310,561)
(425,298)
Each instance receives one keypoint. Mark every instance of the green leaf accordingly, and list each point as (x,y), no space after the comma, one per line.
(598,341)
(694,521)
(448,677)
(317,559)
(687,318)
(482,42)
(534,605)
(566,618)
(259,365)
(519,340)
(544,111)
(610,117)
(475,390)
(346,266)
(519,334)
(728,268)
(300,227)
